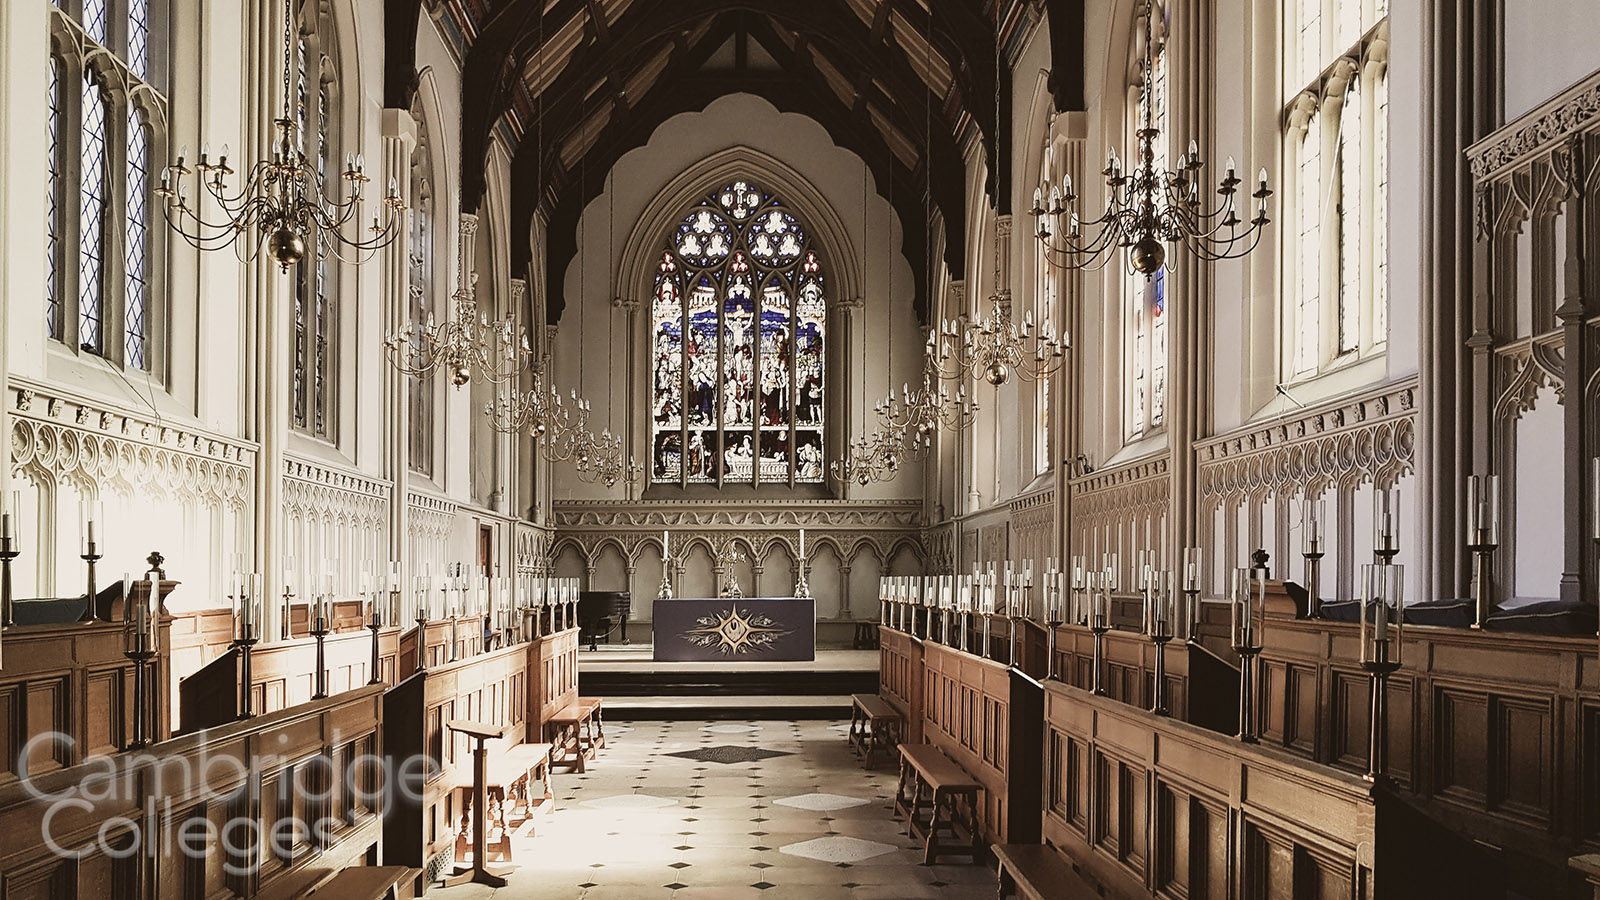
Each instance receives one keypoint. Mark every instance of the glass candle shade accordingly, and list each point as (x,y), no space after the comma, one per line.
(1385,522)
(1483,510)
(1382,614)
(1248,602)
(1312,518)
(1160,608)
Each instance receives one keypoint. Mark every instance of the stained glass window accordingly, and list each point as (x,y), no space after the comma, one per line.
(1145,320)
(52,194)
(91,213)
(738,315)
(316,309)
(1308,216)
(137,245)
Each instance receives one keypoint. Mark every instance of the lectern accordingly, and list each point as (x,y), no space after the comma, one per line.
(481,733)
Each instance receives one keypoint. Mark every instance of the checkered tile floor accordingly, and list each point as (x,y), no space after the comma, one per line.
(686,810)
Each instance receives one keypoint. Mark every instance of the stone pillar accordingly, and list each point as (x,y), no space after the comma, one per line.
(1461,103)
(399,140)
(1068,135)
(1192,116)
(635,420)
(848,376)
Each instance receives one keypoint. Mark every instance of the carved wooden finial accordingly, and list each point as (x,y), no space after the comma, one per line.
(1258,560)
(155,559)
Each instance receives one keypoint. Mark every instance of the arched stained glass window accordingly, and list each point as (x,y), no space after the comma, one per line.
(1145,319)
(738,316)
(316,303)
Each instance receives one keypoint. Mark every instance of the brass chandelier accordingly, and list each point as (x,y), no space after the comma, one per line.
(996,346)
(464,345)
(283,202)
(562,430)
(1151,207)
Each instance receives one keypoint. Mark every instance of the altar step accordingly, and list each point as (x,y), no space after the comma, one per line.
(637,688)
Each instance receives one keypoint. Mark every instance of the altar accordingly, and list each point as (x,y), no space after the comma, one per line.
(742,629)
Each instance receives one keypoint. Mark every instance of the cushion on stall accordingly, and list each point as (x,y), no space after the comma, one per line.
(1449,613)
(1549,617)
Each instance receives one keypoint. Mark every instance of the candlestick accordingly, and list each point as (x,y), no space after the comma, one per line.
(1248,601)
(1159,628)
(90,552)
(10,549)
(1483,536)
(319,630)
(1382,650)
(1100,623)
(1312,550)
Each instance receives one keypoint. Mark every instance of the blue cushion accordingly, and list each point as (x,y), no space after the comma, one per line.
(1342,611)
(1549,617)
(1452,613)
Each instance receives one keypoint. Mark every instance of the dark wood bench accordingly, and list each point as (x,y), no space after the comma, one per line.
(933,781)
(1039,872)
(571,730)
(874,725)
(518,782)
(364,883)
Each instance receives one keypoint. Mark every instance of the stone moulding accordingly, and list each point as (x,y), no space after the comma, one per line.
(1371,436)
(73,439)
(1539,130)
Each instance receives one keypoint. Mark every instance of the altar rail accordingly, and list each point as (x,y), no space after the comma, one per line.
(1146,804)
(71,680)
(516,685)
(313,763)
(1495,736)
(282,674)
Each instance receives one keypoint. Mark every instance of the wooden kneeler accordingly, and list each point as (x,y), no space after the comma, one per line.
(481,733)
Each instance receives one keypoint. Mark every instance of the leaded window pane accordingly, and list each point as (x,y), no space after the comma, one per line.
(1380,203)
(737,319)
(91,214)
(94,20)
(1308,255)
(52,194)
(1349,213)
(136,263)
(139,37)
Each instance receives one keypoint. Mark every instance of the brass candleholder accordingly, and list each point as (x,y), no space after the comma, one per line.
(1382,649)
(319,630)
(1483,536)
(91,554)
(1248,603)
(9,550)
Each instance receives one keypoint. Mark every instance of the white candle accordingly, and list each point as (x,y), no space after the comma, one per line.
(13,502)
(802,543)
(666,545)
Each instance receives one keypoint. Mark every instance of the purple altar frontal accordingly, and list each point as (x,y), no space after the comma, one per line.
(742,629)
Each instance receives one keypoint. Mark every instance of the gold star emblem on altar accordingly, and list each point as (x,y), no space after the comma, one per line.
(734,632)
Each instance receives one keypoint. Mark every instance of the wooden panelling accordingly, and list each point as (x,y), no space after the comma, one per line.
(519,686)
(204,780)
(281,675)
(1492,734)
(1157,802)
(1201,688)
(967,713)
(71,680)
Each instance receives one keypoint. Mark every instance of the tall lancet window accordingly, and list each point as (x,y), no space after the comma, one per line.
(1336,148)
(316,303)
(420,292)
(1145,297)
(738,317)
(104,131)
